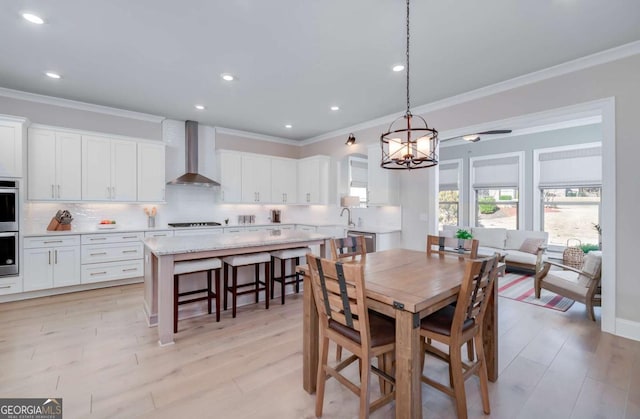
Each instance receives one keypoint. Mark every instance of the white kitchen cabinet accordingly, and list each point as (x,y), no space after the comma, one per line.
(52,262)
(307,228)
(108,169)
(54,165)
(284,180)
(198,232)
(111,256)
(10,148)
(161,233)
(383,185)
(256,178)
(151,176)
(230,175)
(313,180)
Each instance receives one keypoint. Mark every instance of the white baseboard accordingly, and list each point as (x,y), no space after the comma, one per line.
(628,329)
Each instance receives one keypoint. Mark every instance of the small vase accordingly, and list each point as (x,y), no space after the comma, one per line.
(151,221)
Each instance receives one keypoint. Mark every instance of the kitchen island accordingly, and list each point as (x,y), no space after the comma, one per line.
(162,252)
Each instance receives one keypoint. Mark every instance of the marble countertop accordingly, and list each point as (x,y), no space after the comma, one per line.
(160,246)
(122,229)
(376,229)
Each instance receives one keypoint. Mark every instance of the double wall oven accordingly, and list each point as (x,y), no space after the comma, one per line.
(9,228)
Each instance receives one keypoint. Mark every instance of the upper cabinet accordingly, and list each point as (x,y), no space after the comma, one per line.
(11,147)
(70,165)
(256,178)
(260,179)
(151,184)
(108,169)
(54,165)
(230,175)
(284,180)
(313,180)
(383,184)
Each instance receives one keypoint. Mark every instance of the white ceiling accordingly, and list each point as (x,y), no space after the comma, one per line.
(293,58)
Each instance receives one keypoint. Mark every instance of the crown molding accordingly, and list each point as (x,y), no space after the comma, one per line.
(603,57)
(74,104)
(256,136)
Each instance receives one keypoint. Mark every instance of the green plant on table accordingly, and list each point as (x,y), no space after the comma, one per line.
(463,234)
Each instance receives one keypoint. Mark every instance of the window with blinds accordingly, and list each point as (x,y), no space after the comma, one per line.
(358,178)
(495,181)
(570,181)
(449,195)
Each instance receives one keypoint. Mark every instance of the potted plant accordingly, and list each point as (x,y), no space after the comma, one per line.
(462,235)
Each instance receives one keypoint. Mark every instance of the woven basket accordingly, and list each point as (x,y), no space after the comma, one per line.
(573,255)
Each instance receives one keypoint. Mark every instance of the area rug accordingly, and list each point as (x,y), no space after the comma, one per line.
(519,287)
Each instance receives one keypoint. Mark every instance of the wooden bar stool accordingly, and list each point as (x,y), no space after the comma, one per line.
(257,286)
(194,266)
(294,256)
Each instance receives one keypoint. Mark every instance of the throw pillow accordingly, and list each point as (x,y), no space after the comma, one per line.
(531,245)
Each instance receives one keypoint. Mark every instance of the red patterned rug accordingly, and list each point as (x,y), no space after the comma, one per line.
(519,287)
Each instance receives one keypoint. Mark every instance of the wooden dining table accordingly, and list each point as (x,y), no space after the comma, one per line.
(406,285)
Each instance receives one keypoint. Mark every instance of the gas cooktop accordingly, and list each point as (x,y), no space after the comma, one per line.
(197,224)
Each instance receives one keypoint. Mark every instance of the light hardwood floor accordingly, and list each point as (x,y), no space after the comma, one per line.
(95,350)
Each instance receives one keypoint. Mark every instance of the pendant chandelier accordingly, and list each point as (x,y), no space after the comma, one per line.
(409,143)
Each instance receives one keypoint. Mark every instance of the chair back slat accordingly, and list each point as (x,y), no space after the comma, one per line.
(475,292)
(339,292)
(452,246)
(348,247)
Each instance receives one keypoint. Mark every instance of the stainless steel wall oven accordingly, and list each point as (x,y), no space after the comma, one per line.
(9,227)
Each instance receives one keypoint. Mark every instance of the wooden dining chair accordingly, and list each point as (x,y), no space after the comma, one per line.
(455,326)
(350,248)
(452,246)
(339,291)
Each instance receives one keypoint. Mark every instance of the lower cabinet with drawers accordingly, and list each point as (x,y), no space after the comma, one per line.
(106,257)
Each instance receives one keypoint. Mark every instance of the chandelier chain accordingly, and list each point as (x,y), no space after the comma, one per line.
(408,101)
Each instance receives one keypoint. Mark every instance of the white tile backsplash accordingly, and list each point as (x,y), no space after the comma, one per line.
(192,204)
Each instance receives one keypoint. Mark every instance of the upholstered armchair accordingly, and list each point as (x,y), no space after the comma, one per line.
(582,285)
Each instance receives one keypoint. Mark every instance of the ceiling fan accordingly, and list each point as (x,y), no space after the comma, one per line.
(475,137)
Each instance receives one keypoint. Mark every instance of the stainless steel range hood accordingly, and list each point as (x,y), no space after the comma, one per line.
(192,177)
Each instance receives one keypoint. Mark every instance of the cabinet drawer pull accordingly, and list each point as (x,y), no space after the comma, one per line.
(98,273)
(129,237)
(52,241)
(98,238)
(5,287)
(129,269)
(97,254)
(129,251)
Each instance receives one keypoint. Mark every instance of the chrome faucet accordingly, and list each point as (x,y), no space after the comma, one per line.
(351,223)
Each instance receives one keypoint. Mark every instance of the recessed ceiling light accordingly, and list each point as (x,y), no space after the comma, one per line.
(53,75)
(288,126)
(335,108)
(33,18)
(199,107)
(398,68)
(227,77)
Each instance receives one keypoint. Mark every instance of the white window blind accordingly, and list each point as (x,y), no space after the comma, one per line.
(571,167)
(495,173)
(359,173)
(449,176)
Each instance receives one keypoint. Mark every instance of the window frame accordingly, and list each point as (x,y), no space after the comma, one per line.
(460,189)
(557,247)
(522,202)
